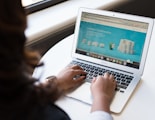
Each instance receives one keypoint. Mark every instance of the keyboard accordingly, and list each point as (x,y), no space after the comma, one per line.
(122,80)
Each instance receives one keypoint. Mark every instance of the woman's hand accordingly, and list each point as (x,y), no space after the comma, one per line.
(70,78)
(103,89)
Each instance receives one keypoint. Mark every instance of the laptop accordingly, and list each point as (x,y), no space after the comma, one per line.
(113,42)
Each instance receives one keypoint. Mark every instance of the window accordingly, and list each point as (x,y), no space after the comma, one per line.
(35,5)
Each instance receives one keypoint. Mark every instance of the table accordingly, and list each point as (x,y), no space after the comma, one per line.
(141,105)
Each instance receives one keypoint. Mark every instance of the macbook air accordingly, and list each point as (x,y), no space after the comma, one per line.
(112,42)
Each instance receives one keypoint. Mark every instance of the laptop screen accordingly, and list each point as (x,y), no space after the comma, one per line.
(111,39)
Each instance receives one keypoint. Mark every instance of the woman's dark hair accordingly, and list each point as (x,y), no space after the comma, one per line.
(12,37)
(12,16)
(21,99)
(16,84)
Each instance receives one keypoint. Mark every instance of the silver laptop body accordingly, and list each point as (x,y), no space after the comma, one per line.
(114,42)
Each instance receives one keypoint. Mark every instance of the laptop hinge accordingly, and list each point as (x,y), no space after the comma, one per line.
(102,65)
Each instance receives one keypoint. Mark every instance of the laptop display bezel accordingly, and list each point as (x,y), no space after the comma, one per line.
(106,63)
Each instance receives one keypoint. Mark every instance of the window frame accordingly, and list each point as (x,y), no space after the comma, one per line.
(41,5)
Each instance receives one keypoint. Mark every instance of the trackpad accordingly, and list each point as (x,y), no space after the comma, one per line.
(82,93)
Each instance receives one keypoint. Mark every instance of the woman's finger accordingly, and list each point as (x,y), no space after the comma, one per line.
(76,67)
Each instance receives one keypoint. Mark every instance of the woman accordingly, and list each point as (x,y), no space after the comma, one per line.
(21,98)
